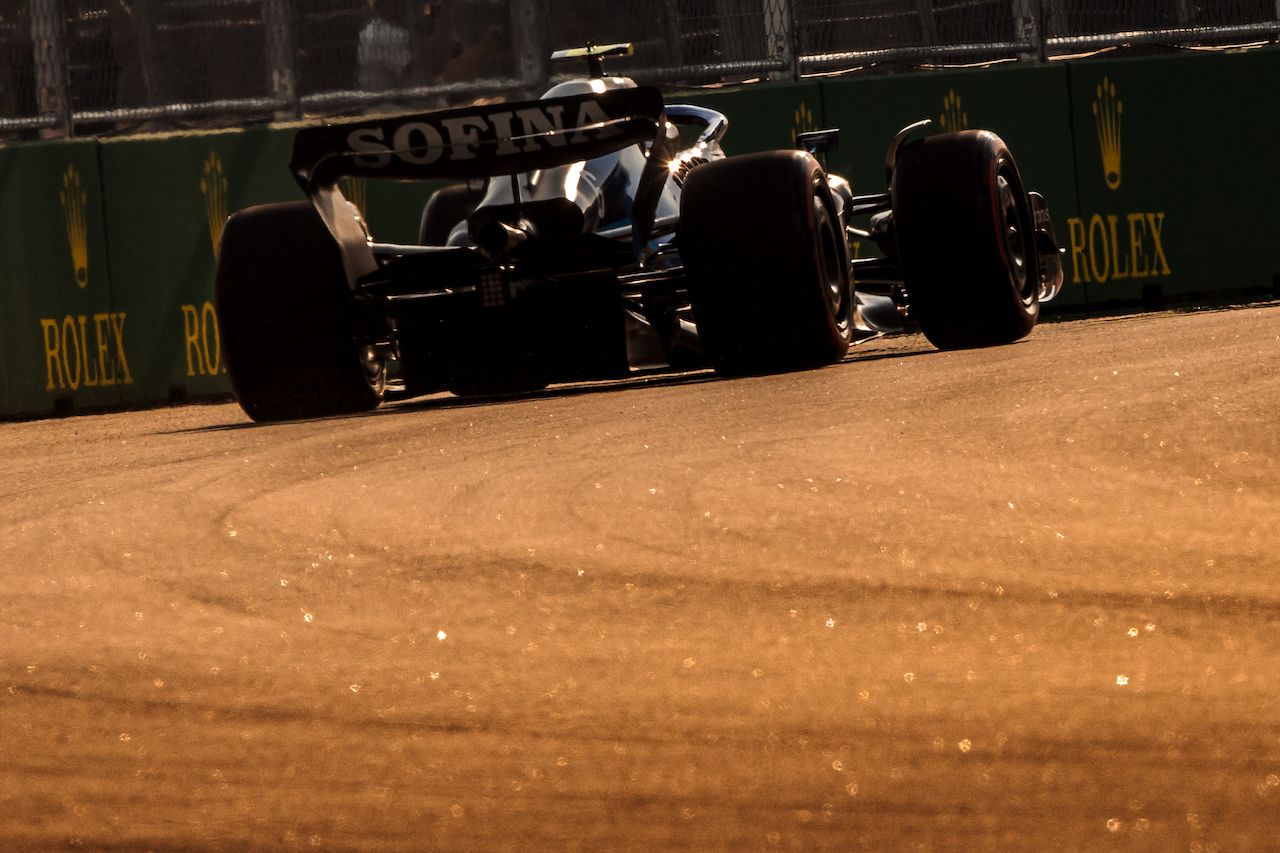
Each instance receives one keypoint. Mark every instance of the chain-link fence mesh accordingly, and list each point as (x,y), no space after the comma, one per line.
(93,66)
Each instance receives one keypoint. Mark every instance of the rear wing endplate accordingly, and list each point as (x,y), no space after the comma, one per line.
(478,142)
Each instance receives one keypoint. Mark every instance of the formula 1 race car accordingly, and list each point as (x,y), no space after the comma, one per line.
(600,232)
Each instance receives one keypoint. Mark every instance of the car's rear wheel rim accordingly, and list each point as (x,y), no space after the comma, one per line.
(830,260)
(374,366)
(1012,236)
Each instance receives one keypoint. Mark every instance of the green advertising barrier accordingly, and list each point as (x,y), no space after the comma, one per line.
(167,198)
(63,344)
(1178,174)
(761,118)
(1027,106)
(392,209)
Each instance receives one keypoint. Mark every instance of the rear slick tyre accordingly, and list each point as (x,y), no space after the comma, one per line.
(444,210)
(292,338)
(766,263)
(966,240)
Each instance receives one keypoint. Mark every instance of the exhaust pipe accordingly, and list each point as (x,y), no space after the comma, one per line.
(499,238)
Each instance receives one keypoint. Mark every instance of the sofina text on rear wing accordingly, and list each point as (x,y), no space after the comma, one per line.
(476,142)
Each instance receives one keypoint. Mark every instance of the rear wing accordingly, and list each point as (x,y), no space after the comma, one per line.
(478,142)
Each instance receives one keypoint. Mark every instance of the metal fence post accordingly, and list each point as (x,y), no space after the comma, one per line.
(781,37)
(675,36)
(282,68)
(419,42)
(49,41)
(928,27)
(1029,25)
(532,45)
(145,25)
(730,17)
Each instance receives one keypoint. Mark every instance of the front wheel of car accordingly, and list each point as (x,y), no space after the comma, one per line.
(966,240)
(766,263)
(294,342)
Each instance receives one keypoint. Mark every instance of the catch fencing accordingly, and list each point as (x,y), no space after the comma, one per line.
(91,67)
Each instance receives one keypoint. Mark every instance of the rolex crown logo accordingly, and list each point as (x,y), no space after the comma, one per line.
(804,122)
(1107,111)
(954,117)
(74,203)
(356,191)
(214,187)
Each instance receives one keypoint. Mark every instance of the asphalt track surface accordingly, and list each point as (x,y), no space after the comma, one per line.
(1017,599)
